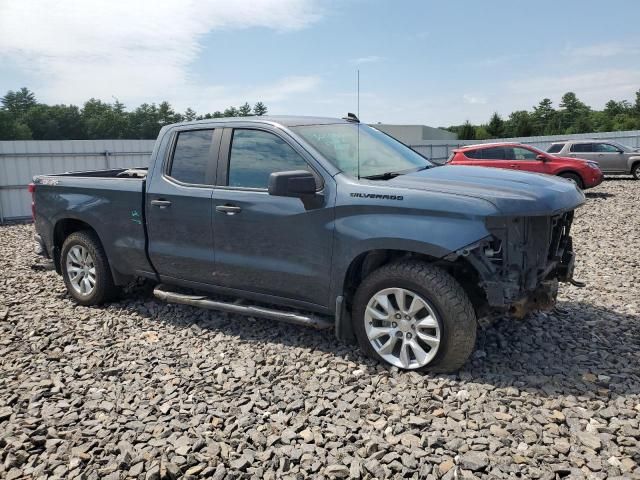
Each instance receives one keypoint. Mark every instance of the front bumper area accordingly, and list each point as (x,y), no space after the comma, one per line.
(593,178)
(520,264)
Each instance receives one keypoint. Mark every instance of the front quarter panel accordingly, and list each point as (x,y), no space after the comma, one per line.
(372,217)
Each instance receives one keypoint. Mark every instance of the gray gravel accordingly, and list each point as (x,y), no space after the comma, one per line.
(152,391)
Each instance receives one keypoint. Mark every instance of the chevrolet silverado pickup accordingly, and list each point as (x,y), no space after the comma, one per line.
(316,221)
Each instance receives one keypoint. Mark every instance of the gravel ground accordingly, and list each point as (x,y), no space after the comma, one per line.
(146,390)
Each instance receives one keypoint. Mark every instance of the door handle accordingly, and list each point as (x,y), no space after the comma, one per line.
(228,209)
(161,203)
(514,165)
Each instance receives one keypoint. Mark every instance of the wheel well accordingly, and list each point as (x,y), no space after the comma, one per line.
(61,231)
(572,172)
(461,270)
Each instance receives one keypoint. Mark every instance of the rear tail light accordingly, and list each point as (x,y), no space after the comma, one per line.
(32,191)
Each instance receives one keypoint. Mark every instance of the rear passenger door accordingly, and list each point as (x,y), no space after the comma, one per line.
(522,158)
(582,150)
(268,245)
(178,207)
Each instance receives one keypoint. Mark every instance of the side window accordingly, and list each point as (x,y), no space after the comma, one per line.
(606,148)
(555,148)
(473,154)
(256,154)
(192,156)
(496,153)
(582,147)
(523,154)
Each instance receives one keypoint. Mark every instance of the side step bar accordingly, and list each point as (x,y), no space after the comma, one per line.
(252,310)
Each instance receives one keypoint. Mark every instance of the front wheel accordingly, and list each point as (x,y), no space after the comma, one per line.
(414,316)
(635,171)
(85,269)
(574,178)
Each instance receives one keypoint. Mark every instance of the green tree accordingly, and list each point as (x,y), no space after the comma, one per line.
(481,133)
(12,129)
(105,120)
(573,113)
(259,109)
(231,112)
(19,102)
(244,110)
(543,116)
(519,124)
(55,122)
(496,126)
(467,131)
(189,115)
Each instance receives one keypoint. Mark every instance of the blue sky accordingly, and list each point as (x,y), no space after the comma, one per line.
(434,63)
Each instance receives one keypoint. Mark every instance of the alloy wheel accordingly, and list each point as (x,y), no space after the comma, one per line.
(402,327)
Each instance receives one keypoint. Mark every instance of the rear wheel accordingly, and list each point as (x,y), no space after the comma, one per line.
(414,316)
(85,269)
(575,178)
(635,171)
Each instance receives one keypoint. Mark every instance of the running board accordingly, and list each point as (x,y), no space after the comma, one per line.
(250,310)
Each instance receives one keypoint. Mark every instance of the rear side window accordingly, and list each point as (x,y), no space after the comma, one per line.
(582,147)
(192,156)
(555,148)
(474,154)
(497,153)
(256,154)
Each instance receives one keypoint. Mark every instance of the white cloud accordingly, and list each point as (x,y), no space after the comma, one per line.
(369,59)
(474,99)
(137,50)
(602,50)
(594,88)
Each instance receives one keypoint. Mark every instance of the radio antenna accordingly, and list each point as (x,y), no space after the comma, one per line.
(358,110)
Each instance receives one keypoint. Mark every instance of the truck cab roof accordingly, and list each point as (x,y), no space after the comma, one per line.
(284,120)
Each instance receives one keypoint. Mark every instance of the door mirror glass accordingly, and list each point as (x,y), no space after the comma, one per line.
(295,183)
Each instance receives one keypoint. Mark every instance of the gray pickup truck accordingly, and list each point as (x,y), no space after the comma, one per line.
(315,221)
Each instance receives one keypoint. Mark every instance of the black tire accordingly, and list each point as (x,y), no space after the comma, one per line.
(635,171)
(104,289)
(574,177)
(447,299)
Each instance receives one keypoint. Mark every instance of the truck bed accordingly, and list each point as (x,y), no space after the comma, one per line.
(109,201)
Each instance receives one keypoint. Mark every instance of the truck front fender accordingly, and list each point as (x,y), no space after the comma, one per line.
(433,237)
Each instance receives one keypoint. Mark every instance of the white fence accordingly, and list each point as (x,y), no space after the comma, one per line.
(21,160)
(439,150)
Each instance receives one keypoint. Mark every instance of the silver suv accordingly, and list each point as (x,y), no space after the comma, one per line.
(613,157)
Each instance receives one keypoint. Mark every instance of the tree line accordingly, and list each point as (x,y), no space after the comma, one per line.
(22,117)
(572,116)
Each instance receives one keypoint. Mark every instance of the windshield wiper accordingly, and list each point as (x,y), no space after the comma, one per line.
(390,175)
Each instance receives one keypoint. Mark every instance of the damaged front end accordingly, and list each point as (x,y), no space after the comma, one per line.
(520,264)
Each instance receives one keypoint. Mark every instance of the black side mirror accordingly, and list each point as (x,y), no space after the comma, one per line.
(296,183)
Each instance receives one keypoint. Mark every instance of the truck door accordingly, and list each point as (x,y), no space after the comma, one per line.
(279,246)
(178,206)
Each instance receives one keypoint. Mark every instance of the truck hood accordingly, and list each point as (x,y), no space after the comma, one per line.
(511,192)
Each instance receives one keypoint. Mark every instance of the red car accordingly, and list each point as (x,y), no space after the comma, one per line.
(516,156)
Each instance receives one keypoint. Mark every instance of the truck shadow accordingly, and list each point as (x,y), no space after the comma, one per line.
(588,350)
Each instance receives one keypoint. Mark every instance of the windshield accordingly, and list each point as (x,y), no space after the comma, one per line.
(343,143)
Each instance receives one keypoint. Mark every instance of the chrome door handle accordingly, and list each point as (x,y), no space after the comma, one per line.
(161,203)
(228,209)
